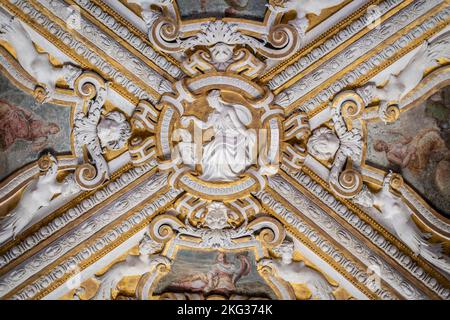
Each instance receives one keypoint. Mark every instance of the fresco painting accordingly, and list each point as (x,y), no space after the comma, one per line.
(27,128)
(245,9)
(214,272)
(418,147)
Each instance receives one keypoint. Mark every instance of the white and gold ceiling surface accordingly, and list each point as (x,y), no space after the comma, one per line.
(224,149)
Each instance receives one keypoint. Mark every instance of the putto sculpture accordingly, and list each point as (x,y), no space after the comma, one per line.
(400,84)
(37,194)
(132,266)
(297,272)
(35,63)
(302,8)
(396,216)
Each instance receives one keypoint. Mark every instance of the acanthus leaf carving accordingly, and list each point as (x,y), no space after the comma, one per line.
(95,132)
(276,41)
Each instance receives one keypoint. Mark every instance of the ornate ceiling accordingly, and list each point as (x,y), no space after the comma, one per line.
(224,149)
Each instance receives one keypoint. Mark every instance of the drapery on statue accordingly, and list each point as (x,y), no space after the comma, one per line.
(231,151)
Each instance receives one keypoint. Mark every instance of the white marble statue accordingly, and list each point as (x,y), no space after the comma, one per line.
(36,195)
(298,273)
(35,63)
(323,144)
(400,84)
(231,151)
(132,266)
(304,7)
(396,216)
(113,131)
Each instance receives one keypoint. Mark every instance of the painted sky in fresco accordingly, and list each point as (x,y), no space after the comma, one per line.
(27,128)
(418,146)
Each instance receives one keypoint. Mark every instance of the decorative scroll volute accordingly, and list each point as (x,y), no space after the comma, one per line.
(297,132)
(347,107)
(92,89)
(169,34)
(271,231)
(162,227)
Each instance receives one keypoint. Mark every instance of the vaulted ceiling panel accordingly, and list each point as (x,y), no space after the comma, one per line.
(224,149)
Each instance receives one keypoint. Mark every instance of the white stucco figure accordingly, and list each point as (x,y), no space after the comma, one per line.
(36,195)
(132,266)
(148,14)
(35,63)
(221,55)
(400,84)
(231,150)
(298,273)
(113,130)
(304,7)
(396,216)
(323,144)
(185,148)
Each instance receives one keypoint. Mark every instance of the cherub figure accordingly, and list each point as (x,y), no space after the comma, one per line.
(132,266)
(36,195)
(400,84)
(35,63)
(297,272)
(396,216)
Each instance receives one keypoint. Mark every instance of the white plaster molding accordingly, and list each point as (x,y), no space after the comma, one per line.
(38,194)
(82,49)
(368,42)
(356,270)
(371,234)
(72,214)
(298,272)
(345,237)
(84,231)
(330,45)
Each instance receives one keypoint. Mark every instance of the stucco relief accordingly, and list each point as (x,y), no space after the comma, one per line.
(36,64)
(230,159)
(37,194)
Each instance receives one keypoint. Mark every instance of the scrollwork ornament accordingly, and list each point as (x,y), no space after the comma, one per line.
(92,89)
